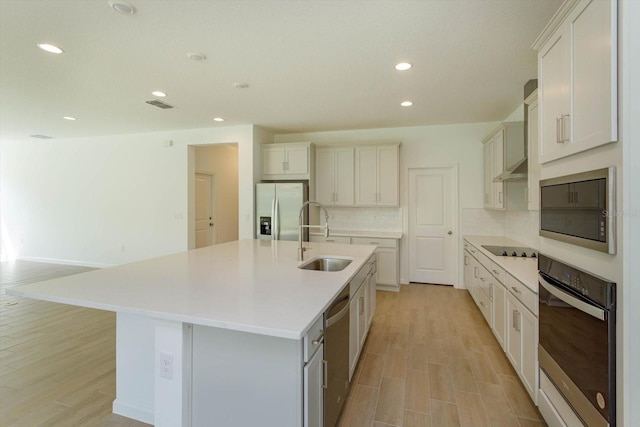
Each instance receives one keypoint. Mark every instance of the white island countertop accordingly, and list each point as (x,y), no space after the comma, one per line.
(363,233)
(523,269)
(247,285)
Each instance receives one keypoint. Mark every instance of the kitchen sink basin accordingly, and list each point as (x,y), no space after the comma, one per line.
(326,264)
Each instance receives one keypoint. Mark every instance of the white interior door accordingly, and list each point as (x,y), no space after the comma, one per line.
(205,225)
(432,225)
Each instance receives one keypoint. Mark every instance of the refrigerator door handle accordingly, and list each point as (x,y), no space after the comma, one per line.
(276,216)
(273,219)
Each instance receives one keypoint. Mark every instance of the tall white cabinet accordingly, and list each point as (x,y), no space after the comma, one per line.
(377,175)
(577,72)
(533,142)
(335,176)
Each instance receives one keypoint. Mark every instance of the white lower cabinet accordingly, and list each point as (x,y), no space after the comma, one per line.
(499,309)
(511,310)
(356,327)
(522,344)
(388,266)
(313,390)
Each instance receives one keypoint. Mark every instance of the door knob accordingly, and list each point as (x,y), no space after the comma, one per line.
(210,224)
(450,232)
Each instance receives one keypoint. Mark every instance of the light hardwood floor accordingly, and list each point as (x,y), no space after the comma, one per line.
(429,360)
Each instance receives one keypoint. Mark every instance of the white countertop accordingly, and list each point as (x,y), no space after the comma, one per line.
(523,269)
(363,233)
(248,285)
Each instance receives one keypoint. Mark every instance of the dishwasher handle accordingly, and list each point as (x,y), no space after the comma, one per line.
(340,314)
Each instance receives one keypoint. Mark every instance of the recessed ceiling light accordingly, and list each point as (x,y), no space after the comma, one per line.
(50,48)
(406,103)
(69,118)
(196,56)
(158,93)
(218,119)
(403,66)
(241,85)
(122,6)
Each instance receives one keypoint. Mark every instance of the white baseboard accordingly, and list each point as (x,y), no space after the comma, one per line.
(66,262)
(389,288)
(132,411)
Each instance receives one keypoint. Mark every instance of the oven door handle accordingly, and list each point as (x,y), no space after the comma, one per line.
(591,310)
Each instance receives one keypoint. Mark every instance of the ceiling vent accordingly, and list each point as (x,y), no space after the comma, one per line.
(41,136)
(159,104)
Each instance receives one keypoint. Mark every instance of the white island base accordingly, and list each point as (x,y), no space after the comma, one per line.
(217,335)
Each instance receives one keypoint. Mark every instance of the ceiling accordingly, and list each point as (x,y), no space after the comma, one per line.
(310,65)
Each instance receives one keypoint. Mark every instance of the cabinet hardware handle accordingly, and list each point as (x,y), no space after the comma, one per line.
(558,129)
(516,290)
(500,197)
(361,304)
(482,278)
(475,272)
(575,197)
(319,339)
(566,128)
(495,272)
(466,260)
(482,303)
(516,320)
(325,374)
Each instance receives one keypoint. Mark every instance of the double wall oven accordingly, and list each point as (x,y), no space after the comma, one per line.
(577,345)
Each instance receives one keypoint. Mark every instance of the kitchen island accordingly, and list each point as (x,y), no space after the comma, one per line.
(236,315)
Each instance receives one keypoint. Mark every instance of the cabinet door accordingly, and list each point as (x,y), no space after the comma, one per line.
(354,347)
(499,311)
(387,176)
(593,33)
(297,160)
(529,368)
(273,160)
(553,69)
(313,390)
(372,299)
(343,177)
(533,177)
(468,270)
(387,260)
(498,168)
(325,174)
(488,179)
(366,190)
(362,314)
(514,334)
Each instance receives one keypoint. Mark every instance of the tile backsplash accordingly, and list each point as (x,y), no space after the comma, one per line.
(521,226)
(380,219)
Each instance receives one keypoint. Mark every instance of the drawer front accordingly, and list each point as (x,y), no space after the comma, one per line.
(485,279)
(381,243)
(330,239)
(498,272)
(523,293)
(474,252)
(314,338)
(467,245)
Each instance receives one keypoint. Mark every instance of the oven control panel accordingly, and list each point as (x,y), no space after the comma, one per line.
(589,286)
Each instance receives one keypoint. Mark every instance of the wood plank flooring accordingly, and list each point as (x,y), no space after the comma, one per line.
(430,360)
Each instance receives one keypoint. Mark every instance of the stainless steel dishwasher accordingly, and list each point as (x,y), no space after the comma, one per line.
(336,357)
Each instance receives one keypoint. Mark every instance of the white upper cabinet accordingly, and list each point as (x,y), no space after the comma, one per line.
(533,176)
(287,161)
(497,159)
(335,176)
(577,71)
(377,175)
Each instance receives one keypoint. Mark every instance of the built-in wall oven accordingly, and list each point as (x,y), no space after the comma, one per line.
(577,321)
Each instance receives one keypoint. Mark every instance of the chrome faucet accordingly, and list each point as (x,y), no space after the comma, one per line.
(302,226)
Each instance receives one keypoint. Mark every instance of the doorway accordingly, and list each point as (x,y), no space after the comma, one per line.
(205,210)
(433,224)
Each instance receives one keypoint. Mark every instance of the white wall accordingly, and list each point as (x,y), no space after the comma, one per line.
(629,315)
(422,146)
(222,162)
(110,200)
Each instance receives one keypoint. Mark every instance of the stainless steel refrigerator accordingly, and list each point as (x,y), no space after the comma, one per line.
(277,209)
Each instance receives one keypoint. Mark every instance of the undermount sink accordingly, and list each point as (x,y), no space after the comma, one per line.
(326,264)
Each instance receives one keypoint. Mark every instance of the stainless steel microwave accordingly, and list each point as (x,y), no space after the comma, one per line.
(580,209)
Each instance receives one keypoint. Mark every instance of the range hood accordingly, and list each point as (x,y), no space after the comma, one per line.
(516,154)
(517,171)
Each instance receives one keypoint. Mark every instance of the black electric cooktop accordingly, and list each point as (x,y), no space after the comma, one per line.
(515,251)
